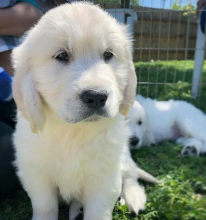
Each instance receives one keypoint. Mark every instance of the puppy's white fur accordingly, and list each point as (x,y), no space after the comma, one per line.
(62,147)
(153,121)
(132,193)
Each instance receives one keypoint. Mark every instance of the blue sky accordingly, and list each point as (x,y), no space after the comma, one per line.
(167,3)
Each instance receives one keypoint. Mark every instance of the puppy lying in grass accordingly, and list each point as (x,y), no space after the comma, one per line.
(152,121)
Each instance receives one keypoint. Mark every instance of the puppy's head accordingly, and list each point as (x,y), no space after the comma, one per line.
(137,121)
(77,63)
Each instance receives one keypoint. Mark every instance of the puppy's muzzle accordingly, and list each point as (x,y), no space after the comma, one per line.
(94,99)
(134,141)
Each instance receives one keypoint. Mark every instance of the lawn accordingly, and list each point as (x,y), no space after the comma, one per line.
(182,192)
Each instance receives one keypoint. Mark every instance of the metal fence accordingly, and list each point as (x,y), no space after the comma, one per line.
(169,51)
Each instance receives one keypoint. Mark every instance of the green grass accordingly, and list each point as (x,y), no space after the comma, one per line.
(182,193)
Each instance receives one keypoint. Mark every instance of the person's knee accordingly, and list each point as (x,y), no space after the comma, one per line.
(31,15)
(32,12)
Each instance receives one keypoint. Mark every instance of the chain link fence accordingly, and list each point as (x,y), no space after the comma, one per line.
(169,48)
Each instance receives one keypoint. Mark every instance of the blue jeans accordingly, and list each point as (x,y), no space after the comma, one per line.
(8,179)
(202,19)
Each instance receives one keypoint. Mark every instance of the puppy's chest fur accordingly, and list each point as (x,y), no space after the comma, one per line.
(71,161)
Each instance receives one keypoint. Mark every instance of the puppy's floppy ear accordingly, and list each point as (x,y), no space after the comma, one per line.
(21,68)
(32,104)
(25,95)
(130,90)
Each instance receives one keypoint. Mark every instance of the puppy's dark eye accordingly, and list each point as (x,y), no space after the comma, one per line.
(62,56)
(139,122)
(107,56)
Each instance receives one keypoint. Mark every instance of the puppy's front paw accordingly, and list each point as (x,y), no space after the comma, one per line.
(136,201)
(122,201)
(189,151)
(134,196)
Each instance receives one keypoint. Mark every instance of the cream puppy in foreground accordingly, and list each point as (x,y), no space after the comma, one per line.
(74,79)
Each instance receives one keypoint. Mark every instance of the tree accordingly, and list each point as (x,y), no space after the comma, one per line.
(189,8)
(135,2)
(175,6)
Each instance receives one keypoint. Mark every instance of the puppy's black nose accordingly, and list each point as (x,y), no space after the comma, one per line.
(94,98)
(134,140)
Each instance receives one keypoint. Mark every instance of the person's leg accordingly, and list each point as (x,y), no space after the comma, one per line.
(8,113)
(8,179)
(203,19)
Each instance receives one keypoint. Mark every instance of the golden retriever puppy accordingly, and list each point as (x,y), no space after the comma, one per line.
(74,82)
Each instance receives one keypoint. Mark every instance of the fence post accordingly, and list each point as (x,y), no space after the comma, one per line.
(199,60)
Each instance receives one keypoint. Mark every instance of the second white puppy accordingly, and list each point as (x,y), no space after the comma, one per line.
(152,121)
